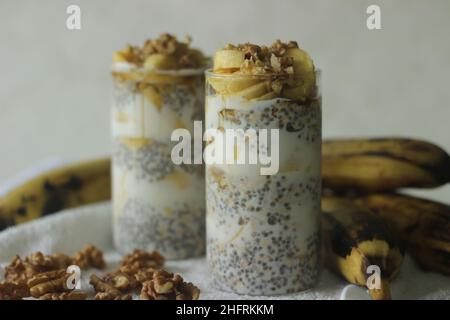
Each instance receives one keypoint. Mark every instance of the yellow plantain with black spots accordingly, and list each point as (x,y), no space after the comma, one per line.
(65,187)
(383,164)
(354,239)
(423,224)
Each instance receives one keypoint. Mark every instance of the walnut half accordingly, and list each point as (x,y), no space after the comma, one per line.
(139,260)
(73,295)
(49,282)
(113,286)
(13,291)
(167,286)
(89,257)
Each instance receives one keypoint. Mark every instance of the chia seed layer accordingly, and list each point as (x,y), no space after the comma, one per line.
(178,231)
(262,231)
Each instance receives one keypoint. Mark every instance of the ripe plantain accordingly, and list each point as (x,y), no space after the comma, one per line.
(423,224)
(383,164)
(64,187)
(354,239)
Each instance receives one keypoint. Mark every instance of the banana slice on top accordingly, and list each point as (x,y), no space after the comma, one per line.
(256,91)
(228,60)
(231,85)
(160,61)
(304,72)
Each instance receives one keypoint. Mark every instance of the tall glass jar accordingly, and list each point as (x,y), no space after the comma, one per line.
(263,230)
(156,204)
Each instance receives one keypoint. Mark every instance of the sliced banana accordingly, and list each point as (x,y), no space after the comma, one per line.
(153,96)
(295,93)
(160,61)
(228,60)
(255,91)
(153,77)
(231,85)
(304,73)
(267,96)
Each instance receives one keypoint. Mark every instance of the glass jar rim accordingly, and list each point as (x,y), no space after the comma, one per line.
(209,73)
(128,67)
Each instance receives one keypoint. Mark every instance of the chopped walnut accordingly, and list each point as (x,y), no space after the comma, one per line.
(167,286)
(45,277)
(139,260)
(113,287)
(42,263)
(89,257)
(252,51)
(266,60)
(279,48)
(122,281)
(17,270)
(167,45)
(21,270)
(112,296)
(13,291)
(144,275)
(101,285)
(72,295)
(48,282)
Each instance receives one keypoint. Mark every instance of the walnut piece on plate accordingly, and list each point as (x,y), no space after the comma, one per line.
(112,296)
(114,286)
(13,291)
(139,260)
(89,257)
(167,286)
(48,282)
(21,270)
(72,295)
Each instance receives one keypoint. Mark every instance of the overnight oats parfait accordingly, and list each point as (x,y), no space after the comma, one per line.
(263,226)
(158,88)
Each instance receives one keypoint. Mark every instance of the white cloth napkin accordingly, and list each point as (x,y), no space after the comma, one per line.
(71,229)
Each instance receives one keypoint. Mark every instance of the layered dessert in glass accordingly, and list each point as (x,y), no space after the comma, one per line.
(263,229)
(158,88)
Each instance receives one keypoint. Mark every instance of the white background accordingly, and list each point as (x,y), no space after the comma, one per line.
(55,84)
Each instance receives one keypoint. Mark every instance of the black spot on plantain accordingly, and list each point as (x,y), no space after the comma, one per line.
(74,184)
(439,227)
(5,222)
(56,195)
(341,242)
(367,228)
(411,228)
(22,211)
(54,202)
(432,259)
(443,257)
(387,265)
